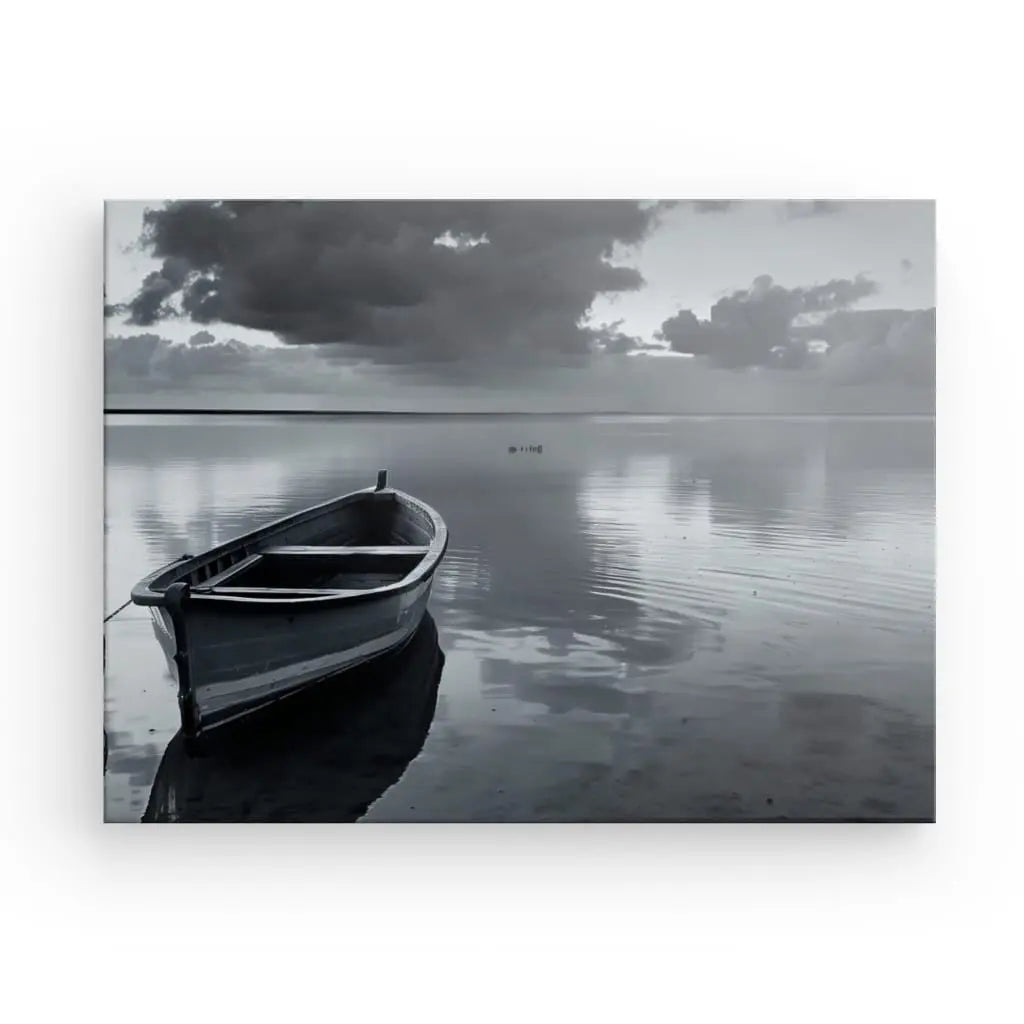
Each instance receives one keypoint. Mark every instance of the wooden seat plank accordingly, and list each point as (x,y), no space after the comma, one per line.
(394,550)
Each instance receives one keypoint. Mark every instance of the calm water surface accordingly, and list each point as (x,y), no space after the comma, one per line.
(651,619)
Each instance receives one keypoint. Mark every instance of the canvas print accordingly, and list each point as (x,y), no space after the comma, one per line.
(519,511)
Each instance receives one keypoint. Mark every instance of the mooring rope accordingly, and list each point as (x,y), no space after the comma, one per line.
(183,558)
(116,610)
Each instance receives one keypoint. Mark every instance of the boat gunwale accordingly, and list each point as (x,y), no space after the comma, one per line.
(143,593)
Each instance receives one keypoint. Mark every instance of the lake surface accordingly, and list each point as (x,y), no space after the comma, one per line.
(651,618)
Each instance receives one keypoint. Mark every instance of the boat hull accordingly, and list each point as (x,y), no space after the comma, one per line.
(324,755)
(230,660)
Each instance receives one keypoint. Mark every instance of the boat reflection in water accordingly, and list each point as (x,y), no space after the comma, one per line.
(322,755)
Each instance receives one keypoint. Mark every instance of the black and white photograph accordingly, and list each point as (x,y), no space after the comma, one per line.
(525,499)
(519,510)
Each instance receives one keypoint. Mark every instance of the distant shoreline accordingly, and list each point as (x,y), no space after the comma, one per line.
(522,415)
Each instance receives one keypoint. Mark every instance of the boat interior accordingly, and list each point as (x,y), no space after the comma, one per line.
(372,541)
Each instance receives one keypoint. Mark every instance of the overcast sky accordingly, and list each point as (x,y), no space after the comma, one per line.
(694,306)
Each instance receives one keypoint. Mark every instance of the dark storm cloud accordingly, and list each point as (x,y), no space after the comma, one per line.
(151,302)
(818,208)
(754,327)
(439,280)
(713,205)
(202,338)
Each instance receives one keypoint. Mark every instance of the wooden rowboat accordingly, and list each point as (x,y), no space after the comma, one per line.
(294,602)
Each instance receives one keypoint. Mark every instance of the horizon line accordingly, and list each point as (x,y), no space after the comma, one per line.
(190,411)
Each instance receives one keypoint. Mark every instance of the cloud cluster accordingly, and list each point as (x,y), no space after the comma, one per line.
(881,344)
(300,377)
(754,326)
(423,281)
(609,338)
(152,302)
(149,360)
